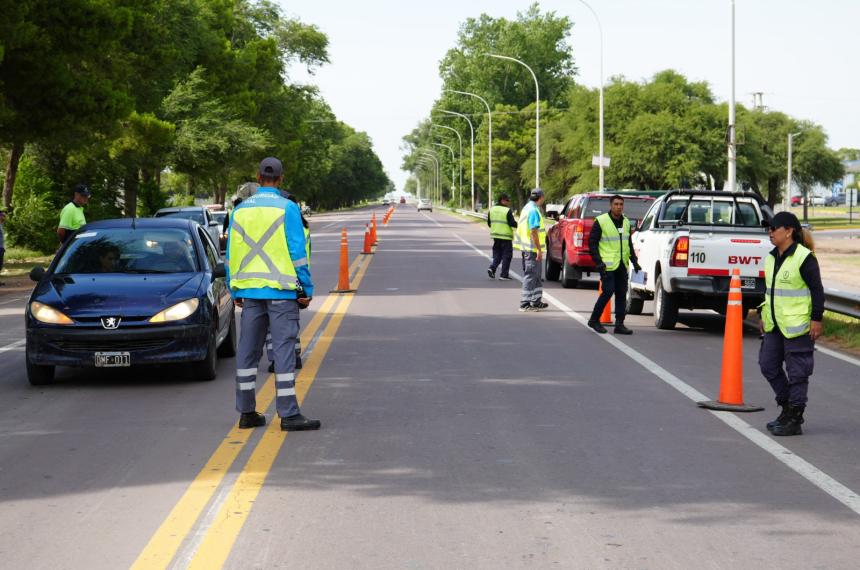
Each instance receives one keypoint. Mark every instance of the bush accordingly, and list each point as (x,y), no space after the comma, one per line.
(32,223)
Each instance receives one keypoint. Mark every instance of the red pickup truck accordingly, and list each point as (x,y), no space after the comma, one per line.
(567,255)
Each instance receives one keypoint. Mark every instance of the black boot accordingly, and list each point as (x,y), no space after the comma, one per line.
(791,425)
(621,329)
(251,420)
(597,326)
(783,415)
(299,423)
(271,367)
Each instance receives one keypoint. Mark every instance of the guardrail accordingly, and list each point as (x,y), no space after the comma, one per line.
(842,302)
(473,214)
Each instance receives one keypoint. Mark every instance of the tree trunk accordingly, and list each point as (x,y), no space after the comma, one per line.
(222,192)
(12,172)
(130,184)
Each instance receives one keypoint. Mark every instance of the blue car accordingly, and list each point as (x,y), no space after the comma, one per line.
(131,292)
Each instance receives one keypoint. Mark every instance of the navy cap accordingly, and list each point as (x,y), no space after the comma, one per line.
(536,194)
(83,190)
(785,220)
(271,167)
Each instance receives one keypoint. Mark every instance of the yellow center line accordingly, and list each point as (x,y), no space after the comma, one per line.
(164,544)
(234,511)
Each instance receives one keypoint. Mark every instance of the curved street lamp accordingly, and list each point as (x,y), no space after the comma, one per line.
(435,157)
(472,160)
(452,165)
(537,112)
(489,145)
(428,164)
(460,162)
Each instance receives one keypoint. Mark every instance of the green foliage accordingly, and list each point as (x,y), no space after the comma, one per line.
(33,219)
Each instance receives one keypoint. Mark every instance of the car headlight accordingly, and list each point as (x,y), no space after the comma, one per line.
(45,314)
(177,312)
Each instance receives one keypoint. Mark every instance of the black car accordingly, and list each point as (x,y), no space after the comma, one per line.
(131,292)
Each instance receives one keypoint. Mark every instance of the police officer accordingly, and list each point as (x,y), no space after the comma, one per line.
(790,319)
(530,238)
(267,265)
(72,215)
(502,224)
(611,249)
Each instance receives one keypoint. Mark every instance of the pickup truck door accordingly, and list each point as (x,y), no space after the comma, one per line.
(645,251)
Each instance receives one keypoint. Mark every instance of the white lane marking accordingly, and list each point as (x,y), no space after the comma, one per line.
(14,311)
(14,346)
(7,301)
(793,461)
(839,355)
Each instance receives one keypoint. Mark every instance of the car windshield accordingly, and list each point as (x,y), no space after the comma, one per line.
(126,250)
(219,216)
(195,215)
(633,209)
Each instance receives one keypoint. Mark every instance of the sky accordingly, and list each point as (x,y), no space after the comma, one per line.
(801,54)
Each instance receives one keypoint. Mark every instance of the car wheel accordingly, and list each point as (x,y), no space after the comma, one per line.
(665,307)
(568,281)
(39,375)
(552,269)
(228,345)
(634,302)
(206,369)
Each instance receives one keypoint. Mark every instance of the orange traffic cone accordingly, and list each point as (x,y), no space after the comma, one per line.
(732,378)
(343,275)
(373,240)
(606,317)
(367,248)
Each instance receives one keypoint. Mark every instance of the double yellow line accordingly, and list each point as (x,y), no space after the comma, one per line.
(231,516)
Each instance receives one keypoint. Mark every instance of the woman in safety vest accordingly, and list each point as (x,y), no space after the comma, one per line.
(790,319)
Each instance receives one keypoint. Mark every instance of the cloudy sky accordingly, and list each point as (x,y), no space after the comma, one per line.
(802,55)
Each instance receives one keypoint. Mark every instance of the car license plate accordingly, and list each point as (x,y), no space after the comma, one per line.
(748,283)
(112,359)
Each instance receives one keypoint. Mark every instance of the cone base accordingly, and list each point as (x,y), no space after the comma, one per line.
(343,291)
(723,407)
(366,253)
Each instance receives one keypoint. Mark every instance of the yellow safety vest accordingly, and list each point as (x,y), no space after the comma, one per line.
(259,256)
(792,300)
(308,245)
(499,227)
(611,252)
(523,235)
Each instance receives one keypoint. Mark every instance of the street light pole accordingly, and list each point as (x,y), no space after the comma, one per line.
(472,160)
(427,163)
(787,198)
(432,154)
(732,178)
(490,144)
(599,29)
(452,165)
(537,113)
(460,162)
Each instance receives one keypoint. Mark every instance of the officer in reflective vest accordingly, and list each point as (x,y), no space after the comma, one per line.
(612,251)
(790,320)
(530,239)
(502,224)
(267,270)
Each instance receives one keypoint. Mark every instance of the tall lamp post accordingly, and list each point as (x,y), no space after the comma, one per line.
(452,165)
(600,30)
(460,162)
(435,157)
(732,174)
(472,160)
(787,198)
(427,163)
(489,145)
(537,113)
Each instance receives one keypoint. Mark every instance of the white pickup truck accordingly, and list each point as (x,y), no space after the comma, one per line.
(688,243)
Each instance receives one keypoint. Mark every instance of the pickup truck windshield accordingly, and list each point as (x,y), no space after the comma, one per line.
(633,209)
(705,211)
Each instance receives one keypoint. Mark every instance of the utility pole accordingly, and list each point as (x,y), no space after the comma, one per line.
(732,151)
(786,200)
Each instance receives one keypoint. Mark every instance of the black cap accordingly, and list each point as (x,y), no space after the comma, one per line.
(83,190)
(536,194)
(271,167)
(785,220)
(503,196)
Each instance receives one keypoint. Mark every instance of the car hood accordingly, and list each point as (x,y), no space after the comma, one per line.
(125,295)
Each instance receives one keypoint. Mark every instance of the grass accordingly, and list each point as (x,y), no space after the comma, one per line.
(19,261)
(843,330)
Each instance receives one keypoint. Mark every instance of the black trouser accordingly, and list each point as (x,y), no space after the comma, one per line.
(2,254)
(503,252)
(791,383)
(614,283)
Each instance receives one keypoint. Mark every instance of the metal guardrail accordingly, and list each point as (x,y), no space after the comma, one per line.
(473,214)
(842,302)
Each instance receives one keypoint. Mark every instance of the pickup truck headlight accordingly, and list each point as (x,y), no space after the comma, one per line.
(45,314)
(177,312)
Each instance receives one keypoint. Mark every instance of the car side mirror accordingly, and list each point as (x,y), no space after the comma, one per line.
(37,273)
(552,215)
(219,271)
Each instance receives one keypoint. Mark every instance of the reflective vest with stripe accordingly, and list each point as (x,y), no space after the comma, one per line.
(523,235)
(259,256)
(614,247)
(499,227)
(308,245)
(792,301)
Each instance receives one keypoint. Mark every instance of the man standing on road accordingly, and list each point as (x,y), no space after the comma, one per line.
(790,319)
(502,225)
(72,215)
(2,241)
(530,238)
(611,248)
(269,278)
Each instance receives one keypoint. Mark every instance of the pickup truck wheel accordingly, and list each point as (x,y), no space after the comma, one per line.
(634,302)
(568,281)
(665,307)
(552,269)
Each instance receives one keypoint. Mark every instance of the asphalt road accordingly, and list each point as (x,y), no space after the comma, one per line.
(457,433)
